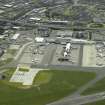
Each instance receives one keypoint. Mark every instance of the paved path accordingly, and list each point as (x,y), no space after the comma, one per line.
(21,50)
(50,50)
(80,55)
(81,99)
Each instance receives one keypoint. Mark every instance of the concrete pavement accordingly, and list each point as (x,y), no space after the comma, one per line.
(21,50)
(81,99)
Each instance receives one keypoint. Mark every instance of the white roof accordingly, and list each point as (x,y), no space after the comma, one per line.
(1,11)
(104,43)
(8,5)
(39,39)
(2,36)
(16,27)
(16,36)
(6,31)
(26,3)
(65,54)
(35,18)
(79,40)
(58,21)
(68,45)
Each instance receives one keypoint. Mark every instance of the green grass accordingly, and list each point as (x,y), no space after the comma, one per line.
(54,86)
(43,77)
(102,102)
(9,73)
(23,69)
(98,87)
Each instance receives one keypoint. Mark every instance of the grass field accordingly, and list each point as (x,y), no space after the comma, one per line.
(98,87)
(9,73)
(23,69)
(53,85)
(43,78)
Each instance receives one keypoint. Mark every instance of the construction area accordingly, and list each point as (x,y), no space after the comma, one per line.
(51,54)
(72,52)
